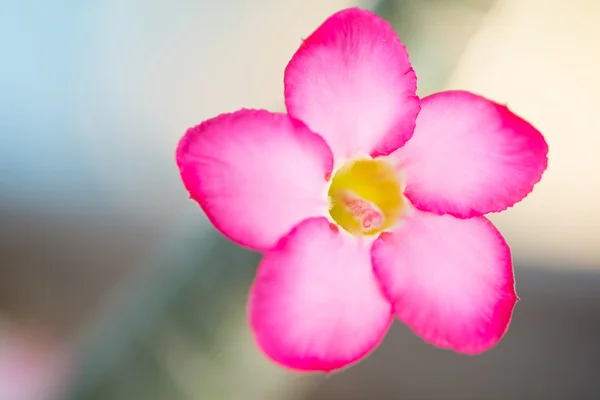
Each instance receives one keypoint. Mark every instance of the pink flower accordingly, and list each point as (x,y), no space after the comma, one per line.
(367,201)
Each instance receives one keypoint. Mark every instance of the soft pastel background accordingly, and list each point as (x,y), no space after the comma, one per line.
(113,286)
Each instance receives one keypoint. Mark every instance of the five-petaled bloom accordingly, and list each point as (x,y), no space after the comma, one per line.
(366,201)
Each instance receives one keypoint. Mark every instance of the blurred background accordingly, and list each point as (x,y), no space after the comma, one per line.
(113,286)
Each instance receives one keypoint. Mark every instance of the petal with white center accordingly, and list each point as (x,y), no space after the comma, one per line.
(450,279)
(256,174)
(470,156)
(315,304)
(352,83)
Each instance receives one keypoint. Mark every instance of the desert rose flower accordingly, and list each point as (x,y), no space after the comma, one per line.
(366,201)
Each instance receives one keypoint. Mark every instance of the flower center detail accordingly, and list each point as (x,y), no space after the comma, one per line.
(366,197)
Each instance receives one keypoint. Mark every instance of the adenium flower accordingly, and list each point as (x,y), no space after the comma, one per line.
(366,201)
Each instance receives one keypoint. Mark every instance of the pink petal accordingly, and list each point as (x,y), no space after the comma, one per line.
(450,279)
(352,83)
(256,174)
(470,156)
(315,304)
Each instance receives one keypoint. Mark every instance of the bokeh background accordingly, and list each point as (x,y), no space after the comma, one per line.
(113,286)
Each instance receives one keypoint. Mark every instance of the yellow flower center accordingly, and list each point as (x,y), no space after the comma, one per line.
(366,197)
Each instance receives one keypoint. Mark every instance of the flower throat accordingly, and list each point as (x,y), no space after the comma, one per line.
(366,197)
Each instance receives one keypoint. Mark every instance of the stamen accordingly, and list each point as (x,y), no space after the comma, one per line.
(369,215)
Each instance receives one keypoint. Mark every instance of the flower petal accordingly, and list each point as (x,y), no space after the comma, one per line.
(470,156)
(256,174)
(352,83)
(450,279)
(315,304)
